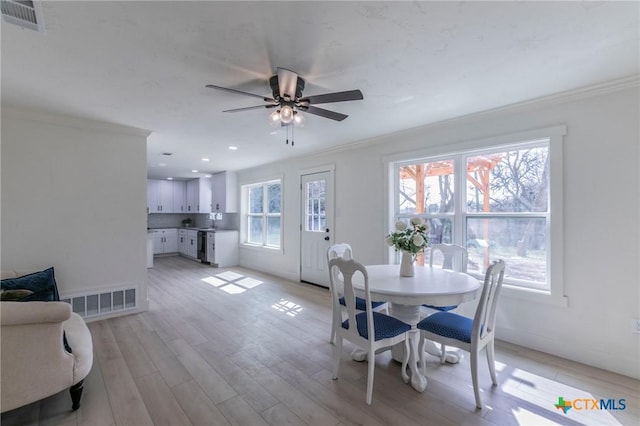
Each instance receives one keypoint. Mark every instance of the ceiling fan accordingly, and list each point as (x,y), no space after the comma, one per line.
(287,87)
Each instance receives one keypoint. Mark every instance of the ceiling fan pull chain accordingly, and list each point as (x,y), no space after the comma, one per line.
(292,130)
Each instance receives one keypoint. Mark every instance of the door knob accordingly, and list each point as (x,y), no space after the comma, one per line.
(326,238)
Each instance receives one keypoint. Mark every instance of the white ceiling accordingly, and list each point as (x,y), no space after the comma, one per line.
(146,64)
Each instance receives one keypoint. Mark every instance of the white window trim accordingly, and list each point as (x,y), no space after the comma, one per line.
(555,134)
(244,208)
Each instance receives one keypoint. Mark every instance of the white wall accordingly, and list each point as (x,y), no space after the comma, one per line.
(601,216)
(74,197)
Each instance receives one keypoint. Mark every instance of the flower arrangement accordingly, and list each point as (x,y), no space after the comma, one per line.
(411,238)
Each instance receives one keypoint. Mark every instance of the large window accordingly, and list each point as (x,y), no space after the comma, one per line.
(494,201)
(262,214)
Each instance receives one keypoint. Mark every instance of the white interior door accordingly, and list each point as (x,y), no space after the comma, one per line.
(316,226)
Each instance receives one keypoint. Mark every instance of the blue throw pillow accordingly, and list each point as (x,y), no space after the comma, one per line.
(42,285)
(37,287)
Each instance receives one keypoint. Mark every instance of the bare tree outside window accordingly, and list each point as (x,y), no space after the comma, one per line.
(505,212)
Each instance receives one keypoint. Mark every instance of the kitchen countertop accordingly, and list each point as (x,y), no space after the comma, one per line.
(191,228)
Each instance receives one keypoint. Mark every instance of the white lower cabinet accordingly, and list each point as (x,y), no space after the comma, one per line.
(165,241)
(192,244)
(182,241)
(188,242)
(222,248)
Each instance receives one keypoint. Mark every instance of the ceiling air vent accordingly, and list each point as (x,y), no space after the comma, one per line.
(26,14)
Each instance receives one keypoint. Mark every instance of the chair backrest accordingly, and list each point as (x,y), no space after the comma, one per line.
(455,257)
(342,250)
(349,268)
(485,318)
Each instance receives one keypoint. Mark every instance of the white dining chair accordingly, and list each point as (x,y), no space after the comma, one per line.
(368,329)
(465,333)
(454,258)
(344,250)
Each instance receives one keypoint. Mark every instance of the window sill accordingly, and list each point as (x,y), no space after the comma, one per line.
(536,296)
(261,248)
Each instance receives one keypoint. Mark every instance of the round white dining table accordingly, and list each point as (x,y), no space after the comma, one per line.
(429,285)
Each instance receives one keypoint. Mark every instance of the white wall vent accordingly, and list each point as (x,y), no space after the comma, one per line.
(91,305)
(26,14)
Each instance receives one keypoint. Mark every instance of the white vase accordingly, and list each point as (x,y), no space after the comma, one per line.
(406,264)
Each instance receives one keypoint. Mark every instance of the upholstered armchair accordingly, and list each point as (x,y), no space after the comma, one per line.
(37,361)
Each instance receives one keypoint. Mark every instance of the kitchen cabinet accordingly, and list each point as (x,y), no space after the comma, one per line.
(182,241)
(222,248)
(153,187)
(191,244)
(160,196)
(224,192)
(149,249)
(165,241)
(199,195)
(179,196)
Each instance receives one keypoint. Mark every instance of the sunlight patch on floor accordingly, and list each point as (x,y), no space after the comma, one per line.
(214,281)
(249,282)
(289,308)
(233,289)
(232,283)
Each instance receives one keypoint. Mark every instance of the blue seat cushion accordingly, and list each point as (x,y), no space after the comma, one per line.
(441,308)
(449,325)
(385,326)
(361,303)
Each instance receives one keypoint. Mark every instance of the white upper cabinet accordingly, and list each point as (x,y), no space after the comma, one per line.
(199,195)
(179,196)
(224,192)
(165,196)
(153,187)
(159,196)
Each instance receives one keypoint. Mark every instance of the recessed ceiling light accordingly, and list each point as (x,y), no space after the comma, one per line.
(205,159)
(233,148)
(162,164)
(207,176)
(169,178)
(194,171)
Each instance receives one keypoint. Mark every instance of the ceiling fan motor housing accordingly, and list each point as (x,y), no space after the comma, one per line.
(275,88)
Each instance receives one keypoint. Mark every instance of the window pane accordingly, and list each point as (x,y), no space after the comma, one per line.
(316,199)
(255,230)
(255,199)
(273,231)
(427,187)
(273,194)
(440,230)
(521,242)
(512,181)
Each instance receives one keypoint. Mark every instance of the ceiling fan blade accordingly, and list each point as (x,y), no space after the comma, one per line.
(249,108)
(324,113)
(240,92)
(287,83)
(349,95)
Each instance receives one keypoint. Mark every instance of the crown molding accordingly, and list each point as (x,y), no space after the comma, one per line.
(71,121)
(599,89)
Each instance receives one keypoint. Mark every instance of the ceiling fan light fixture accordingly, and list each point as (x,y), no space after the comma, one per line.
(298,119)
(286,114)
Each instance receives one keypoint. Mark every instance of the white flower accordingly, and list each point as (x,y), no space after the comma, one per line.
(416,221)
(389,240)
(418,240)
(401,226)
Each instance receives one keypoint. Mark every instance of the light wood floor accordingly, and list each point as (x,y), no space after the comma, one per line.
(233,346)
